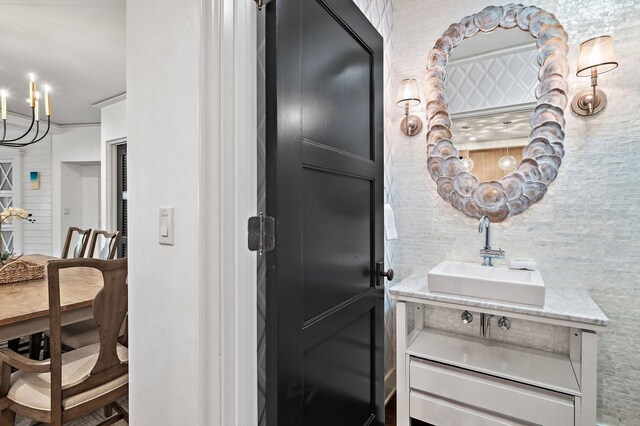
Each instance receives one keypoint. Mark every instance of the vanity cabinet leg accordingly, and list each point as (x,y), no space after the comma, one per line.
(402,386)
(589,373)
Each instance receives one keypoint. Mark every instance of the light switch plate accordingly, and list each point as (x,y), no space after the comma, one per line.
(165,228)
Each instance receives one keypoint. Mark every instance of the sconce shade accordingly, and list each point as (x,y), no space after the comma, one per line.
(408,92)
(596,53)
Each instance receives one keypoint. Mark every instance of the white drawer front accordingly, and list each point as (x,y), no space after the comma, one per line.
(527,403)
(444,413)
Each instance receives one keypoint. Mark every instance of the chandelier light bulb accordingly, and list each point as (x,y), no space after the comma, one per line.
(468,163)
(3,104)
(507,162)
(47,101)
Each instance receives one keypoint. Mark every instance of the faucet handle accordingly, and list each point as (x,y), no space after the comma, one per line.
(493,253)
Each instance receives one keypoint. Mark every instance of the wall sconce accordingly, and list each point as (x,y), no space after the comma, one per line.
(409,96)
(596,56)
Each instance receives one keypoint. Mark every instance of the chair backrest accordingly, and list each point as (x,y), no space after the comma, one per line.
(108,250)
(109,310)
(81,246)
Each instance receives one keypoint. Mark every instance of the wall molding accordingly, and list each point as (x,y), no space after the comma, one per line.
(228,175)
(110,101)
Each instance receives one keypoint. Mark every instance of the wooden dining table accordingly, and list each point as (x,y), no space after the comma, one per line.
(24,305)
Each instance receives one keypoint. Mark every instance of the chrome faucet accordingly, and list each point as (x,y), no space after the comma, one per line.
(487,253)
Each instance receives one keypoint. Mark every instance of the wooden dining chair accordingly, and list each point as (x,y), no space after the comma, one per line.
(81,246)
(35,341)
(73,384)
(108,250)
(85,333)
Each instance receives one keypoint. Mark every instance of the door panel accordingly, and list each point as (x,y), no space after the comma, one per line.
(324,176)
(338,373)
(337,71)
(337,259)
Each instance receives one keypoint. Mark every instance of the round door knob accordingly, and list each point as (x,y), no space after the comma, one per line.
(388,274)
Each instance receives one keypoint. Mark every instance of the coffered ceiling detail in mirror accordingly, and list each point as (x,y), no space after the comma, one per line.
(503,80)
(542,155)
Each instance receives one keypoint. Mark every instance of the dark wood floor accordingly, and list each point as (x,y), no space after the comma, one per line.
(390,412)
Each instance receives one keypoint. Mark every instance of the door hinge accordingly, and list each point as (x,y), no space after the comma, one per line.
(261,233)
(262,3)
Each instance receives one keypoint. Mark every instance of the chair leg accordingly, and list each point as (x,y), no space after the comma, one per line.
(46,350)
(120,409)
(112,420)
(14,345)
(108,411)
(35,344)
(7,418)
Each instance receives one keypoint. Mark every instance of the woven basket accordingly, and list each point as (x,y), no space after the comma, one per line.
(20,270)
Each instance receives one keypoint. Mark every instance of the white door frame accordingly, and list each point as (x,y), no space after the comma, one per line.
(110,219)
(228,155)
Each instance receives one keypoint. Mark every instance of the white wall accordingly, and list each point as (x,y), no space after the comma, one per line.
(113,121)
(74,145)
(190,92)
(91,195)
(80,196)
(585,232)
(163,92)
(71,197)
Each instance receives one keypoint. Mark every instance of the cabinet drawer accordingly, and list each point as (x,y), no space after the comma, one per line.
(523,402)
(447,413)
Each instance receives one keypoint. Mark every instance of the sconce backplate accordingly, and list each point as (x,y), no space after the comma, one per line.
(415,125)
(579,104)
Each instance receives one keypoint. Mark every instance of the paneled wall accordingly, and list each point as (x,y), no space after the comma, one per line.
(585,232)
(36,237)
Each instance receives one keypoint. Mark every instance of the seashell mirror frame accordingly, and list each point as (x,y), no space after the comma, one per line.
(542,157)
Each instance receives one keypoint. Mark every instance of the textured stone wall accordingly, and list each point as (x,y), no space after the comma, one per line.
(585,232)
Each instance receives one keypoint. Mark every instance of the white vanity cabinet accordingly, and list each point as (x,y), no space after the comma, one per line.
(445,378)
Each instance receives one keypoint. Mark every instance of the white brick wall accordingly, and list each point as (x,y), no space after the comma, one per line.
(586,230)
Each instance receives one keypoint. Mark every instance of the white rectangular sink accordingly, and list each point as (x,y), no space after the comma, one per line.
(486,282)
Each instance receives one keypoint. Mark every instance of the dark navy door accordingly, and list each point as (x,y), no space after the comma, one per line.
(325,190)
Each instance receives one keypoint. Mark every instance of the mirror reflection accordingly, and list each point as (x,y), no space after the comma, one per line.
(491,92)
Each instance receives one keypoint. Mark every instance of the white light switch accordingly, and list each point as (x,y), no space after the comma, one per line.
(166,226)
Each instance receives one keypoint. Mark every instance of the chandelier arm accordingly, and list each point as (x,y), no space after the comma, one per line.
(4,131)
(33,119)
(34,140)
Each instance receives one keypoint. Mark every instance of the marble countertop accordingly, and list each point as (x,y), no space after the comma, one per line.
(566,304)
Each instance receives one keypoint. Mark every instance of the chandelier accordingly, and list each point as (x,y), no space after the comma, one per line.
(507,162)
(468,163)
(28,137)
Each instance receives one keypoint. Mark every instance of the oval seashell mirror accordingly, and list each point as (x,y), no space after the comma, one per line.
(524,162)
